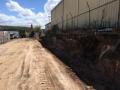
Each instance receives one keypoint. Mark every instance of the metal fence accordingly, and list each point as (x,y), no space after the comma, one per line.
(106,15)
(4,37)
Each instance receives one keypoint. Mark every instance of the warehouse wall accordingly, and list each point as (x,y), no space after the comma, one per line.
(70,14)
(70,10)
(109,11)
(48,26)
(57,14)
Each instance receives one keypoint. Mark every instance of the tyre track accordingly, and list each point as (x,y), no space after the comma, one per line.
(31,67)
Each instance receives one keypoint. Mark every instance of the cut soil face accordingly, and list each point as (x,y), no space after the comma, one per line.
(94,58)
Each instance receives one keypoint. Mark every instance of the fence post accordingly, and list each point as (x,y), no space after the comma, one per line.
(89,14)
(102,19)
(118,23)
(66,21)
(78,15)
(63,16)
(72,19)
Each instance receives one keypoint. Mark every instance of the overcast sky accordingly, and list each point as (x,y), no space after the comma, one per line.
(26,12)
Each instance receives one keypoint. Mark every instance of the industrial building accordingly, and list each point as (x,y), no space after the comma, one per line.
(72,14)
(48,26)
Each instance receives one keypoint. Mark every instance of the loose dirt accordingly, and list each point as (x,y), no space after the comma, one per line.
(26,65)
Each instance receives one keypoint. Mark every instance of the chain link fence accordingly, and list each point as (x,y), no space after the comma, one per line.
(104,16)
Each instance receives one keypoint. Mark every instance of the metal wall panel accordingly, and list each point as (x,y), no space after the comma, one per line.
(57,14)
(70,14)
(48,26)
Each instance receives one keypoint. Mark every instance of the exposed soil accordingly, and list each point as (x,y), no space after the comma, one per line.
(26,65)
(94,57)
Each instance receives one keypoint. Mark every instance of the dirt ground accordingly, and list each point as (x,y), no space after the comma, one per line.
(26,65)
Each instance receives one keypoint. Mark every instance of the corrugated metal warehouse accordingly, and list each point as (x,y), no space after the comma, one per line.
(72,14)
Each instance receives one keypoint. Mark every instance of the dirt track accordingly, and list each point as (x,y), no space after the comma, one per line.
(26,65)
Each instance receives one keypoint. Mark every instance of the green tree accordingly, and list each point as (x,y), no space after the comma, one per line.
(22,33)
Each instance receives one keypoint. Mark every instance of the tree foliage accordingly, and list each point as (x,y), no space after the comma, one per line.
(22,33)
(36,29)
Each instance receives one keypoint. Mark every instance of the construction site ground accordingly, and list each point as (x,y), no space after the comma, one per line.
(26,65)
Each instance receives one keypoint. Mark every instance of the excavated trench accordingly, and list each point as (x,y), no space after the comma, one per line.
(94,58)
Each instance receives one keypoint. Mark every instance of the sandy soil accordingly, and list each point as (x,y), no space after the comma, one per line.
(26,65)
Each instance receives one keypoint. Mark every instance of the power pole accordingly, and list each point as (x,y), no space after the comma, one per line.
(31,26)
